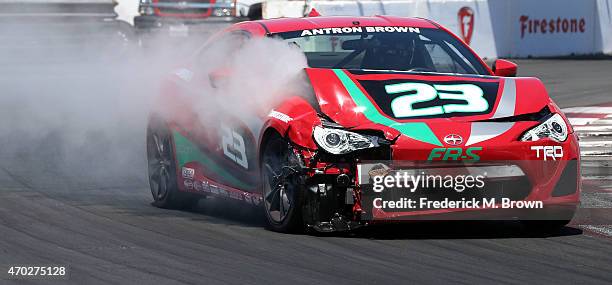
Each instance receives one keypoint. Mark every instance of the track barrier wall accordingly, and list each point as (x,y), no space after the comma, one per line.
(494,28)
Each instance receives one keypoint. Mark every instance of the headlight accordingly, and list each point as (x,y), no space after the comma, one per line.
(553,128)
(337,141)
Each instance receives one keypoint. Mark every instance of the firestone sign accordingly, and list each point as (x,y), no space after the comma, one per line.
(551,26)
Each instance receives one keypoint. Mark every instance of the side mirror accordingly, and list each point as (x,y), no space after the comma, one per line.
(505,68)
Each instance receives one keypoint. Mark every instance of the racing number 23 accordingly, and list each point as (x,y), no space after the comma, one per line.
(233,146)
(403,106)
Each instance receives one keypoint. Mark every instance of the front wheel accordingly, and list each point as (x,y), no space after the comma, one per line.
(282,190)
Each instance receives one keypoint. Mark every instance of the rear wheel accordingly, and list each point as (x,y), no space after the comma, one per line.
(282,190)
(162,169)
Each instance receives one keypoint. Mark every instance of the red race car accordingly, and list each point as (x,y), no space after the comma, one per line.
(402,121)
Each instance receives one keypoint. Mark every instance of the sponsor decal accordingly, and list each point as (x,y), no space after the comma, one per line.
(235,195)
(455,153)
(197,185)
(214,189)
(551,26)
(466,23)
(280,116)
(188,172)
(548,151)
(247,197)
(352,30)
(188,184)
(222,192)
(206,186)
(453,139)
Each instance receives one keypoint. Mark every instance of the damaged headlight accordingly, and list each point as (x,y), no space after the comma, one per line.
(553,128)
(337,141)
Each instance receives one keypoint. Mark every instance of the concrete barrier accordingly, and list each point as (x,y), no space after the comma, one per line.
(526,28)
(604,33)
(469,19)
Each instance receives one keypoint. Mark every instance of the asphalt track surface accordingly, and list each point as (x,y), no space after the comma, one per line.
(104,228)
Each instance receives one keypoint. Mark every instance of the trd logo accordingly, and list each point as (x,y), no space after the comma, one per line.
(454,153)
(548,151)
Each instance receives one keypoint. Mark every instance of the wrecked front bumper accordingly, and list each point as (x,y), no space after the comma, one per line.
(341,194)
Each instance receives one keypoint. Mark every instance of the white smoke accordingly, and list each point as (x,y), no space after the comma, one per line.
(80,107)
(257,76)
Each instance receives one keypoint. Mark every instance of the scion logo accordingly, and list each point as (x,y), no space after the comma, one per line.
(466,23)
(453,139)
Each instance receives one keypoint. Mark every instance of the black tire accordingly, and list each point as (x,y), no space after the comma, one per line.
(162,169)
(281,188)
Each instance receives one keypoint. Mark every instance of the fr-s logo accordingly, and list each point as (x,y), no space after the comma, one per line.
(404,106)
(233,146)
(548,151)
(455,153)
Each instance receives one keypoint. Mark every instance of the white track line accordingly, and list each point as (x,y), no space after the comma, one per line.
(594,124)
(581,121)
(605,230)
(596,128)
(595,143)
(603,122)
(590,110)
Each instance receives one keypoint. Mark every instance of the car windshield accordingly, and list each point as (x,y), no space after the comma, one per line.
(385,48)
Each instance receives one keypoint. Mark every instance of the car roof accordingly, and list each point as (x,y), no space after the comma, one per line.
(293,24)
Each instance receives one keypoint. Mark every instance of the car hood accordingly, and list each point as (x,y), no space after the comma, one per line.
(425,106)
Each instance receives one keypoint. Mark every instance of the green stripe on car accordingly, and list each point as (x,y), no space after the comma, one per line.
(187,151)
